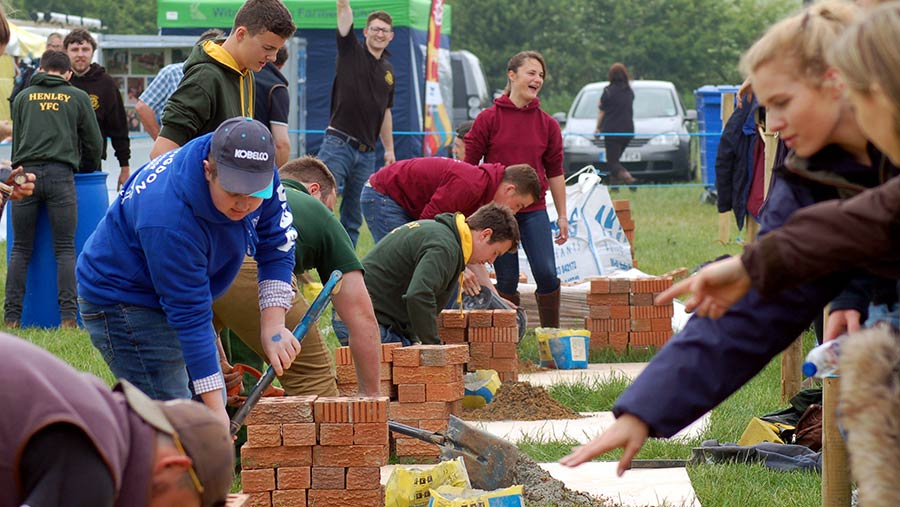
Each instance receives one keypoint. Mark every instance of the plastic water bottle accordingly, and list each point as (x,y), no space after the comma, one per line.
(823,360)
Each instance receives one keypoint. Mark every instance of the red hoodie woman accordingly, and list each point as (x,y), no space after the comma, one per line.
(515,131)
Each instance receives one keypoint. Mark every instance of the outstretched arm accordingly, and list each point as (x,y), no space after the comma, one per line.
(344,17)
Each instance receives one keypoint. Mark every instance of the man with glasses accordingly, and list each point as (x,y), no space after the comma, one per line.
(361,100)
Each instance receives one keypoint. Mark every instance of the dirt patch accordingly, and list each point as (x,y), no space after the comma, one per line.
(526,366)
(540,489)
(520,401)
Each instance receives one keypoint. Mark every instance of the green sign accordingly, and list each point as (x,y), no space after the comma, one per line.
(308,14)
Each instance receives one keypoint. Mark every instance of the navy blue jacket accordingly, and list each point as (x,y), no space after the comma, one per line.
(734,161)
(711,359)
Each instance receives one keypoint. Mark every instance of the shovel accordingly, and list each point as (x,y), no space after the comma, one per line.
(490,461)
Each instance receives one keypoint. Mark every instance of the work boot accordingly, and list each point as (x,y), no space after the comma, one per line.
(513,298)
(68,324)
(548,308)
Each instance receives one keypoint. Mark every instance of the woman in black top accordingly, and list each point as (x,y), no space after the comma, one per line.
(615,115)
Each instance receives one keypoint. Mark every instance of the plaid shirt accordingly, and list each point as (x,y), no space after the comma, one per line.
(163,86)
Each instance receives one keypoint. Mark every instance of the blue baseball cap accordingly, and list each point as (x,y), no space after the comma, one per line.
(245,157)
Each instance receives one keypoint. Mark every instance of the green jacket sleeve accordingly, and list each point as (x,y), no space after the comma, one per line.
(432,276)
(186,112)
(89,134)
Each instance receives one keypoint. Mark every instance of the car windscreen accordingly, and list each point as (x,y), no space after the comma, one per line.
(648,103)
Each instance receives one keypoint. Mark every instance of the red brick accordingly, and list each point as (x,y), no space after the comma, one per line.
(299,434)
(257,481)
(368,410)
(505,376)
(342,356)
(411,393)
(652,339)
(494,334)
(664,325)
(599,340)
(364,478)
(442,355)
(618,341)
(414,447)
(452,334)
(599,285)
(456,407)
(384,372)
(433,424)
(640,325)
(652,312)
(611,325)
(335,434)
(445,392)
(387,351)
(289,498)
(370,434)
(328,477)
(479,363)
(255,458)
(678,274)
(345,498)
(425,374)
(345,374)
(505,350)
(505,318)
(427,410)
(626,213)
(594,325)
(282,410)
(264,435)
(621,204)
(259,499)
(348,456)
(619,312)
(453,318)
(653,285)
(480,318)
(627,223)
(332,409)
(599,311)
(607,299)
(294,477)
(619,286)
(406,356)
(642,299)
(479,350)
(348,389)
(504,364)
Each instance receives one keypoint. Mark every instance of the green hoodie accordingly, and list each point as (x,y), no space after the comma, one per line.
(212,90)
(53,121)
(411,274)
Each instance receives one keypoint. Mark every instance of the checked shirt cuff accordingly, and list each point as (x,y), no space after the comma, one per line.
(275,293)
(210,383)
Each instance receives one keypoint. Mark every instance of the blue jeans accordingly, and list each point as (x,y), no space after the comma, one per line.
(889,313)
(382,213)
(388,335)
(537,240)
(351,169)
(140,346)
(55,189)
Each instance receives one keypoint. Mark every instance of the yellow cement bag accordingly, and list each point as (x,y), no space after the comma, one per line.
(759,431)
(481,386)
(310,291)
(563,349)
(449,496)
(411,487)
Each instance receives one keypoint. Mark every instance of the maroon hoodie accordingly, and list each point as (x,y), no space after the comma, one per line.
(425,187)
(507,135)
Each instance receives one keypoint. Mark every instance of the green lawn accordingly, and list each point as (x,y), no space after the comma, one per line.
(672,229)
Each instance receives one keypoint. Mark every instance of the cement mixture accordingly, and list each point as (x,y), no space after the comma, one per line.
(520,401)
(542,490)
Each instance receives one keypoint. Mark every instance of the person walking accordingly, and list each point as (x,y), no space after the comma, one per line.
(516,131)
(615,116)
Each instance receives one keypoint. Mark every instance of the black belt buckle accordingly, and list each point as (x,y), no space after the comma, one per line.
(352,141)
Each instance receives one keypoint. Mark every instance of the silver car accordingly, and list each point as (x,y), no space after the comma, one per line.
(661,148)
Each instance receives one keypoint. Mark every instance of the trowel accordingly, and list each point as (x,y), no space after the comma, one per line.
(490,461)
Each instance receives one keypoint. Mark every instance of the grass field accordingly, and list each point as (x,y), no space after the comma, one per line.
(673,229)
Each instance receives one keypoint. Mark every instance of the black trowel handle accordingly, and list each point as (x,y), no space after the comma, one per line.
(412,431)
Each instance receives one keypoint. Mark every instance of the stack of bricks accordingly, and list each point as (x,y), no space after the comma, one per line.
(621,313)
(492,335)
(430,387)
(317,452)
(346,371)
(623,212)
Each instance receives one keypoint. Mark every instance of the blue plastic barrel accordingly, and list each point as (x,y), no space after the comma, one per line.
(40,307)
(709,120)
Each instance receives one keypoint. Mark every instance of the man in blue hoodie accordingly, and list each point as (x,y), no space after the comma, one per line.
(174,241)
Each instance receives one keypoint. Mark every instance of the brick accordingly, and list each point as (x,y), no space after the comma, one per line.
(627,223)
(505,318)
(621,204)
(642,299)
(453,319)
(258,481)
(451,391)
(493,334)
(661,325)
(479,363)
(406,356)
(290,498)
(384,372)
(619,312)
(345,374)
(348,389)
(599,340)
(442,355)
(282,410)
(328,477)
(594,325)
(345,498)
(678,274)
(599,285)
(506,376)
(640,325)
(335,434)
(480,318)
(624,213)
(294,477)
(364,478)
(332,409)
(415,411)
(369,410)
(299,434)
(599,311)
(342,356)
(387,351)
(619,286)
(255,458)
(370,434)
(607,299)
(618,341)
(610,325)
(426,374)
(411,393)
(652,312)
(456,407)
(413,447)
(504,364)
(259,499)
(480,350)
(264,435)
(452,334)
(652,285)
(433,424)
(652,339)
(348,456)
(505,350)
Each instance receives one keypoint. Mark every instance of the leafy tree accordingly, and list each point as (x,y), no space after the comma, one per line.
(118,16)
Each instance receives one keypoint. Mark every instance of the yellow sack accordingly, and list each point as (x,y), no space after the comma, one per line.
(411,487)
(481,386)
(564,349)
(310,291)
(449,496)
(759,431)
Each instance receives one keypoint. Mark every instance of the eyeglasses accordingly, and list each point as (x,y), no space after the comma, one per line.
(378,29)
(191,471)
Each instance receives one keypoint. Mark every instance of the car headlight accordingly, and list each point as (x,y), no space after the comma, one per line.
(667,139)
(473,101)
(575,141)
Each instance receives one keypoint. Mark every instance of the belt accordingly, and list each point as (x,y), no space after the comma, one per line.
(352,141)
